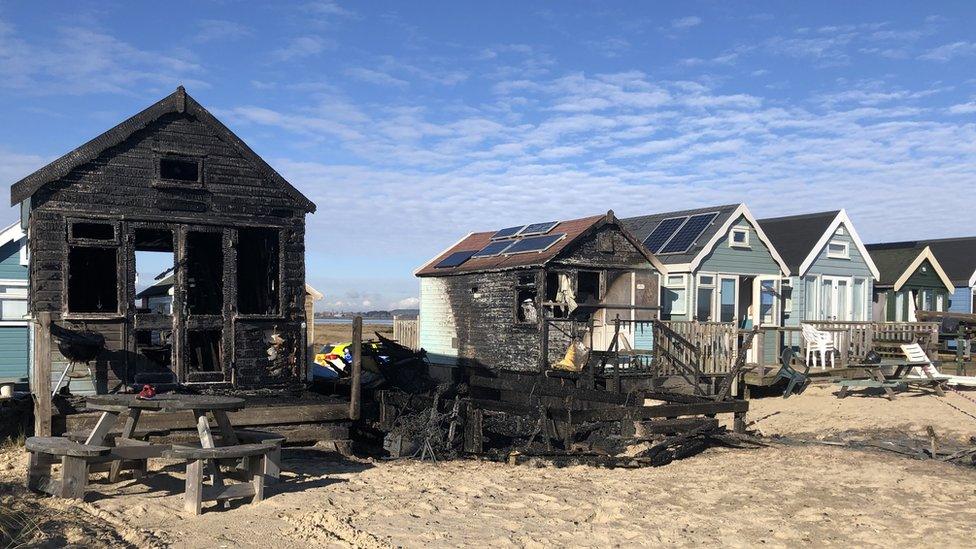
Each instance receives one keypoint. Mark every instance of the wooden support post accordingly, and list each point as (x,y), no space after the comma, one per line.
(357,364)
(41,378)
(74,477)
(193,496)
(739,422)
(256,467)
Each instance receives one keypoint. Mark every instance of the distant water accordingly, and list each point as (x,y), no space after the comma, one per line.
(373,321)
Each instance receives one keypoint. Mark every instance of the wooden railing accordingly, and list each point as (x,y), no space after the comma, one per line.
(406,331)
(717,342)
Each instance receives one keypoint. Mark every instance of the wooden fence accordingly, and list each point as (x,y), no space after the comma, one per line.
(407,332)
(716,343)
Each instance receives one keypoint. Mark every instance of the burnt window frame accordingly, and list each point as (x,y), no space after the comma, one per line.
(120,283)
(161,182)
(113,242)
(283,236)
(131,229)
(518,288)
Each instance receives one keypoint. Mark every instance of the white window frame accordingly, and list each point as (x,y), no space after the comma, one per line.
(835,291)
(735,298)
(846,254)
(865,299)
(742,231)
(682,285)
(713,285)
(787,302)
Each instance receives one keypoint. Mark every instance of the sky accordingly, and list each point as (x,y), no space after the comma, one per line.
(412,124)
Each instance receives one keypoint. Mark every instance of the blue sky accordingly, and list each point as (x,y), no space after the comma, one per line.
(411,124)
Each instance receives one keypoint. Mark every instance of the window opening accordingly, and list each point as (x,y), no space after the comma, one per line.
(204,273)
(588,287)
(203,347)
(92,280)
(257,271)
(93,231)
(179,169)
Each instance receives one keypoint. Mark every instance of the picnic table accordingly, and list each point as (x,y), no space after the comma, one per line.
(898,378)
(114,406)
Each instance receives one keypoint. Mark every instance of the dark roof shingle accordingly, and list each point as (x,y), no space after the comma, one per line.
(795,236)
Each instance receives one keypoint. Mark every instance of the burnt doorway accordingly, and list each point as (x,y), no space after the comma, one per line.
(203,357)
(153,304)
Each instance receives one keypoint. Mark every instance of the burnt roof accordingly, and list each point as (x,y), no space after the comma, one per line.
(956,256)
(643,226)
(573,229)
(176,102)
(795,236)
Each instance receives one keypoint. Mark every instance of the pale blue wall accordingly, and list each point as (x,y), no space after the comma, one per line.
(855,267)
(10,267)
(962,300)
(14,340)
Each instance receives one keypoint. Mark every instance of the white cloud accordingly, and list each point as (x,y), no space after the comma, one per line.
(375,77)
(407,303)
(686,22)
(213,30)
(302,46)
(963,108)
(78,60)
(947,52)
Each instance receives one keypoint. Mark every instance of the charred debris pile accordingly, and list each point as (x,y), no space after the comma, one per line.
(550,417)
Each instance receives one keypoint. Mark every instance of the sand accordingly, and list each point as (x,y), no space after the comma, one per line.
(342,332)
(778,496)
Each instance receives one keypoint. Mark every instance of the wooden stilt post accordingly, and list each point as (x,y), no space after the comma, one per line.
(357,363)
(41,378)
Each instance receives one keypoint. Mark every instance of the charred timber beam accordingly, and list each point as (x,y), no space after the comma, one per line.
(649,412)
(542,389)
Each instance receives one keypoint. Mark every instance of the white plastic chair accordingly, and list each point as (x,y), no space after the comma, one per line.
(818,342)
(916,355)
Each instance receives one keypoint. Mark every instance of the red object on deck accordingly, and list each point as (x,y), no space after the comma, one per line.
(147,392)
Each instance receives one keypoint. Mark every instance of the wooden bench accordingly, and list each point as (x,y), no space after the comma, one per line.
(255,457)
(82,435)
(888,386)
(75,460)
(272,469)
(131,457)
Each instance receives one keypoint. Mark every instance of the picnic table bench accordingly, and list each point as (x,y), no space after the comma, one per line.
(897,380)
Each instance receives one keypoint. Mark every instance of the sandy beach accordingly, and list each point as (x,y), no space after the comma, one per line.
(782,495)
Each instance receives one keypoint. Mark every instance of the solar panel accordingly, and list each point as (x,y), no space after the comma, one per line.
(688,234)
(507,233)
(454,259)
(662,233)
(534,243)
(538,228)
(493,248)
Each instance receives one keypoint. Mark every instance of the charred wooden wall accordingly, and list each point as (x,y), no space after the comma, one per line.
(123,187)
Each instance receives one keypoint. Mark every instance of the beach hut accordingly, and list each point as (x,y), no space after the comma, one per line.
(15,326)
(175,183)
(486,300)
(958,258)
(721,266)
(831,273)
(911,279)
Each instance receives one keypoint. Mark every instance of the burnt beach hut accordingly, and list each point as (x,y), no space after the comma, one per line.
(172,190)
(487,301)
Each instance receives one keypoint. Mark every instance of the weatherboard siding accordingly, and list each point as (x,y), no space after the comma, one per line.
(10,267)
(14,352)
(756,259)
(961,301)
(438,334)
(855,267)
